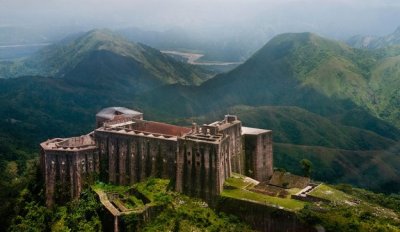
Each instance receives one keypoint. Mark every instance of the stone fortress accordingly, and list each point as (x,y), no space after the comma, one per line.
(125,149)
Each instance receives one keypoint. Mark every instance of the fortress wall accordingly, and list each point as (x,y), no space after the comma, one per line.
(259,156)
(128,159)
(66,172)
(268,154)
(234,132)
(200,170)
(263,217)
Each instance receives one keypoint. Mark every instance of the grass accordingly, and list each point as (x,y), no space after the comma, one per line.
(240,192)
(293,191)
(237,181)
(153,189)
(326,192)
(121,189)
(285,203)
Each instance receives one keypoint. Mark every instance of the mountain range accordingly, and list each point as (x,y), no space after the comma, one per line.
(326,101)
(374,42)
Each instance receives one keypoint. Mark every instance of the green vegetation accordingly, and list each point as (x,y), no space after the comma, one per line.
(188,214)
(391,201)
(238,188)
(353,210)
(73,57)
(350,212)
(312,102)
(181,213)
(242,194)
(325,192)
(326,102)
(18,182)
(306,165)
(26,211)
(368,169)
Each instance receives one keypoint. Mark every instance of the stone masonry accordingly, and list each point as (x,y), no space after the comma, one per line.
(125,149)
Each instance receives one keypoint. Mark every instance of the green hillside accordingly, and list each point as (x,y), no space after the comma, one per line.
(345,99)
(323,76)
(298,126)
(72,56)
(312,92)
(376,170)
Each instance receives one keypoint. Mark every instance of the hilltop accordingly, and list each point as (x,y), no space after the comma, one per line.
(99,55)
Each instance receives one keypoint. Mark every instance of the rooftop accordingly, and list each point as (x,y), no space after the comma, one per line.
(70,144)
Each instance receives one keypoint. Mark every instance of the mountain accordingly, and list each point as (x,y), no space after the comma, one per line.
(101,55)
(322,98)
(374,42)
(320,75)
(345,98)
(62,86)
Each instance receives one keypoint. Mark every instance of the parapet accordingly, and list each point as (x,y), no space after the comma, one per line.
(144,128)
(204,133)
(70,144)
(228,121)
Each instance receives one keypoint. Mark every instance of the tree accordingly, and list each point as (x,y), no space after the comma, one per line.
(306,166)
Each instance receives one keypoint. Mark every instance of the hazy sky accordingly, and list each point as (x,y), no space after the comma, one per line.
(336,18)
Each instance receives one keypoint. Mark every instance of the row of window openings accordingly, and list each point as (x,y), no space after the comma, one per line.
(197,163)
(63,163)
(112,148)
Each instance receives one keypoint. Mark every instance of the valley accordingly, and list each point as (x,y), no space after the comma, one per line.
(192,58)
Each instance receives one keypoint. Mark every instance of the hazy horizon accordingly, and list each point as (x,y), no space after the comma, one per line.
(337,19)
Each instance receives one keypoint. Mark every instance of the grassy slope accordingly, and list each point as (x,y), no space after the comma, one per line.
(353,210)
(238,189)
(349,212)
